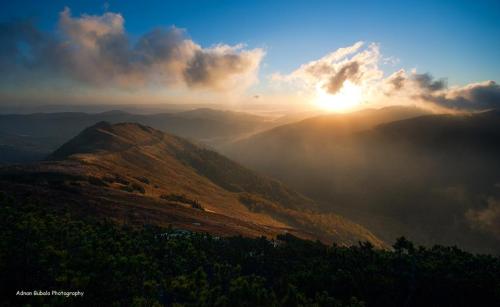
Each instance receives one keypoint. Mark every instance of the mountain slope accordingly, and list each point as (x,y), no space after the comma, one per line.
(282,151)
(477,131)
(30,135)
(325,127)
(315,131)
(432,178)
(136,173)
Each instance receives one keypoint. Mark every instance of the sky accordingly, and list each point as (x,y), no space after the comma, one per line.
(444,52)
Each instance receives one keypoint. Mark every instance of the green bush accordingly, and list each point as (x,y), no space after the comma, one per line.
(181,198)
(114,265)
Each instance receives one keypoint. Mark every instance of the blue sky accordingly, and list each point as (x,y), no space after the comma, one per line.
(457,40)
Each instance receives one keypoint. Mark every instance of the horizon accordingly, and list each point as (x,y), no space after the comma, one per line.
(250,153)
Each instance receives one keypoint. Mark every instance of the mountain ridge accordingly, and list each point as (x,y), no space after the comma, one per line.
(437,170)
(133,168)
(28,137)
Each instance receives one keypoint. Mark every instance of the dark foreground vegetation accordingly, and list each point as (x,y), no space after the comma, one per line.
(42,249)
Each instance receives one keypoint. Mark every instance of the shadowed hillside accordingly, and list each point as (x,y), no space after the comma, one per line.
(433,178)
(322,128)
(55,249)
(136,174)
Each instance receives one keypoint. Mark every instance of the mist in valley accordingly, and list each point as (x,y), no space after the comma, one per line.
(249,153)
(432,178)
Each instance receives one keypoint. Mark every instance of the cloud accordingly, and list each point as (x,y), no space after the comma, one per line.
(326,65)
(359,65)
(354,63)
(96,51)
(471,97)
(424,88)
(210,67)
(427,82)
(486,219)
(349,71)
(397,80)
(475,96)
(413,83)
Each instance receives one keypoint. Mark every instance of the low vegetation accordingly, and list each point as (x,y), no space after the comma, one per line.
(142,179)
(181,198)
(42,249)
(133,187)
(97,181)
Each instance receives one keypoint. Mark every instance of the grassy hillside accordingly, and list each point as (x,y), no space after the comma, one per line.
(133,172)
(30,137)
(432,178)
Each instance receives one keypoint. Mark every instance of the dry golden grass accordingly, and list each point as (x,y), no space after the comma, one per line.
(122,171)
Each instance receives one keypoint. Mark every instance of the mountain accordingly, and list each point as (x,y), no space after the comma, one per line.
(29,137)
(432,178)
(329,125)
(136,174)
(475,131)
(321,128)
(283,150)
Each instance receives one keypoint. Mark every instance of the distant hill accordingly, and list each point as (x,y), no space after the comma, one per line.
(320,129)
(139,175)
(479,131)
(286,151)
(28,137)
(433,178)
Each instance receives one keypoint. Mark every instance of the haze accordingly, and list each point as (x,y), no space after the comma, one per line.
(109,53)
(250,153)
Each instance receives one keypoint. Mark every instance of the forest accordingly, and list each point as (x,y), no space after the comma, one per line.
(48,249)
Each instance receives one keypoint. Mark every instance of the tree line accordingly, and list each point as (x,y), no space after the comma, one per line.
(116,265)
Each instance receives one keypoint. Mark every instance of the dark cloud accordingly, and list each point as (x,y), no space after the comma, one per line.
(318,69)
(329,73)
(208,68)
(427,82)
(478,96)
(160,45)
(472,97)
(349,71)
(96,50)
(398,82)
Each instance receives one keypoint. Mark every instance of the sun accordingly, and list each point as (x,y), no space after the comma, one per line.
(345,100)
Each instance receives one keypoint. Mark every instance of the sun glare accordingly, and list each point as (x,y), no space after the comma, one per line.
(345,100)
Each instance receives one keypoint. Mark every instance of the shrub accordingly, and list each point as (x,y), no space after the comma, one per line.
(181,198)
(43,248)
(97,181)
(142,179)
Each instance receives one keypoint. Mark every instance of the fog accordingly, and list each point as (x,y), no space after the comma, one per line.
(433,179)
